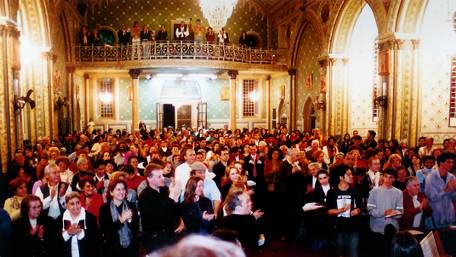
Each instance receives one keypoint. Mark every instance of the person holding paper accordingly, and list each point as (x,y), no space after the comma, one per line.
(343,204)
(385,206)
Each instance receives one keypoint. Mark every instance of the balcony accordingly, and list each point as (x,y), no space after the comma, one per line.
(178,53)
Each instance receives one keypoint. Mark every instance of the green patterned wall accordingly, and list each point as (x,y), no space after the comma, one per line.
(216,109)
(308,70)
(245,16)
(149,91)
(123,103)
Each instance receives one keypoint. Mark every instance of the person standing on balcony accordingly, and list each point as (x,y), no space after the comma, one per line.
(124,35)
(210,35)
(146,38)
(181,32)
(243,39)
(223,37)
(162,34)
(199,32)
(136,39)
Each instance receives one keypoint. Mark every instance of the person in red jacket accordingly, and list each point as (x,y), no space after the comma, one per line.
(416,206)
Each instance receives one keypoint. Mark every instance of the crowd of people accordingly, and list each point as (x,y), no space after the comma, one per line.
(183,32)
(115,193)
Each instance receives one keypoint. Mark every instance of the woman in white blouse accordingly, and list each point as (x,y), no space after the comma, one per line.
(80,235)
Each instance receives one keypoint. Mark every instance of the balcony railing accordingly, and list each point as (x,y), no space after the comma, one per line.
(175,50)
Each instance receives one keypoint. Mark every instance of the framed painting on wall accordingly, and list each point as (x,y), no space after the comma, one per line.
(225,93)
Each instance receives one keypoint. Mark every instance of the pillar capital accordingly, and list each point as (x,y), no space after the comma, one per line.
(292,72)
(134,73)
(233,74)
(70,69)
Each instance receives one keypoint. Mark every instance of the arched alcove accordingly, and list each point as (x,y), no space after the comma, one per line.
(309,115)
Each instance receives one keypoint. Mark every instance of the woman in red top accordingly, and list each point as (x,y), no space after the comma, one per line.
(90,199)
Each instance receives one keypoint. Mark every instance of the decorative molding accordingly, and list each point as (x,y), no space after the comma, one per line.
(233,74)
(134,73)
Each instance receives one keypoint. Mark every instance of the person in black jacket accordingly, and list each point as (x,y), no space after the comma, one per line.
(79,230)
(119,222)
(197,210)
(34,234)
(160,216)
(238,207)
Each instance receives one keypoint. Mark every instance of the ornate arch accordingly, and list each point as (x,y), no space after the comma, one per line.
(345,19)
(310,19)
(406,16)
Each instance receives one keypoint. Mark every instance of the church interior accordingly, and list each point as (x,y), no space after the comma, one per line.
(339,66)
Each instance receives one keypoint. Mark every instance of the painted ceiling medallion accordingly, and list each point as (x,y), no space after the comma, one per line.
(217,12)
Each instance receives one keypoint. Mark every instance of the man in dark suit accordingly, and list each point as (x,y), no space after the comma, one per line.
(124,35)
(220,167)
(254,166)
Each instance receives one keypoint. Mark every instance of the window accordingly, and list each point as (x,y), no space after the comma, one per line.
(453,93)
(105,97)
(249,98)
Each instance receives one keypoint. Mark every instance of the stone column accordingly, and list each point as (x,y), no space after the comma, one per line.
(323,81)
(134,74)
(233,108)
(401,118)
(337,95)
(9,71)
(71,102)
(268,101)
(86,99)
(292,117)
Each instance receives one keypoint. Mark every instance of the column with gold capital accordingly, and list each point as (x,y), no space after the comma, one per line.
(292,123)
(233,113)
(268,101)
(134,74)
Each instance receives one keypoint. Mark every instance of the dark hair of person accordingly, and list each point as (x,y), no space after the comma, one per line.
(98,163)
(131,158)
(84,180)
(427,158)
(128,168)
(15,183)
(445,156)
(25,204)
(190,188)
(405,245)
(322,171)
(389,171)
(272,150)
(337,172)
(112,186)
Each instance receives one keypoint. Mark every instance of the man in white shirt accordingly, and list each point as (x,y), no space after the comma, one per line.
(182,173)
(52,194)
(428,148)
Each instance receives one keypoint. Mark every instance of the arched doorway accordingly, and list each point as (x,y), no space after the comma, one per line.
(283,117)
(309,116)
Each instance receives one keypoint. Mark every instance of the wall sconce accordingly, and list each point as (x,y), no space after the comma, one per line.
(382,95)
(320,102)
(19,102)
(60,103)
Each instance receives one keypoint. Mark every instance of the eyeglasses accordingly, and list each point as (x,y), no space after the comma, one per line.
(321,178)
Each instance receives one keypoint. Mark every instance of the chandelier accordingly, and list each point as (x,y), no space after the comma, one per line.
(217,12)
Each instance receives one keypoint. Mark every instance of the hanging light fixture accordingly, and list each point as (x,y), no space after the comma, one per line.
(217,12)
